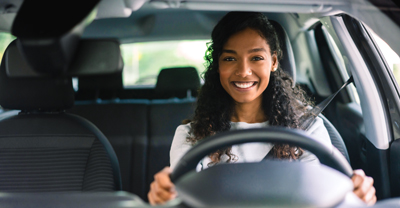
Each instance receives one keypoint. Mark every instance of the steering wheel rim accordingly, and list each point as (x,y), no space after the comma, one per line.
(327,156)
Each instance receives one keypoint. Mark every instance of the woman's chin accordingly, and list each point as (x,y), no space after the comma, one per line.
(245,100)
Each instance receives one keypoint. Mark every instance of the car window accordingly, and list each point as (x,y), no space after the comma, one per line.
(5,40)
(392,58)
(143,61)
(339,59)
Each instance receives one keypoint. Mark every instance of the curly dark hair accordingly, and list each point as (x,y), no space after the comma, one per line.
(282,104)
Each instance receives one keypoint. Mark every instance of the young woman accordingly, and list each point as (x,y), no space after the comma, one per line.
(244,87)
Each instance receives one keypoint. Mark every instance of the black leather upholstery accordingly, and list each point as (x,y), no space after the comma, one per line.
(45,149)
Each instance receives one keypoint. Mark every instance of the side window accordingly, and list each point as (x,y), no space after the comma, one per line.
(339,59)
(5,40)
(391,57)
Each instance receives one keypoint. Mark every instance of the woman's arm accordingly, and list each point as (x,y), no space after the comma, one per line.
(162,189)
(179,145)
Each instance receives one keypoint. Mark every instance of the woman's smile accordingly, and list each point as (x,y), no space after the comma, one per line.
(244,86)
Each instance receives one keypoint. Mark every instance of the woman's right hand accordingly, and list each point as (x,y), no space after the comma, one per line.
(161,189)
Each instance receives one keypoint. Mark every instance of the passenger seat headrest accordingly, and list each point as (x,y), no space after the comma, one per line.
(287,63)
(177,79)
(37,93)
(99,82)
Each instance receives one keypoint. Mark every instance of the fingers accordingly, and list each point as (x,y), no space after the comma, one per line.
(161,189)
(363,187)
(163,179)
(358,178)
(370,197)
(359,172)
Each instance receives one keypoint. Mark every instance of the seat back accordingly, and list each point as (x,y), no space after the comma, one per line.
(44,148)
(288,64)
(124,123)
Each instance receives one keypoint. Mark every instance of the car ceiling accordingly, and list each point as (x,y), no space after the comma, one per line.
(145,20)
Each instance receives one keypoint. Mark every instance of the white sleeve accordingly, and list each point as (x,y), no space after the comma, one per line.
(318,132)
(179,145)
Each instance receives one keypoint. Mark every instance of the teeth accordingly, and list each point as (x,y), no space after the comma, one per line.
(243,84)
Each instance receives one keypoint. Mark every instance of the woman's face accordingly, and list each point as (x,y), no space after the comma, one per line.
(245,66)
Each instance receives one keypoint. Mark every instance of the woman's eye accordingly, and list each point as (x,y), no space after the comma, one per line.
(228,59)
(257,58)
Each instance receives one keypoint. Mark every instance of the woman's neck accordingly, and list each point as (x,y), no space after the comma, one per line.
(249,113)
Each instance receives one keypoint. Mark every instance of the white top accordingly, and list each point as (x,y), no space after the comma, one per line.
(249,152)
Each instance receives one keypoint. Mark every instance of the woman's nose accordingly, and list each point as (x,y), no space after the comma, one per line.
(243,69)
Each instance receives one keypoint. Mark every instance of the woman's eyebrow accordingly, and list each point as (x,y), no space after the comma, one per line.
(257,50)
(228,51)
(249,51)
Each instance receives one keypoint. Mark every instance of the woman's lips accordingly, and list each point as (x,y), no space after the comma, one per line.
(244,85)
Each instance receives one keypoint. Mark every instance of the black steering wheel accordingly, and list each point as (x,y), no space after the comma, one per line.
(327,156)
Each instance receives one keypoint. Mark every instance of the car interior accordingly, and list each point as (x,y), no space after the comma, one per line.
(73,120)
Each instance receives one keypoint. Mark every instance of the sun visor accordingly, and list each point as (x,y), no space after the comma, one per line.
(48,34)
(92,57)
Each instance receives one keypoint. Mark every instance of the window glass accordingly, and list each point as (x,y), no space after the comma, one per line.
(143,61)
(391,57)
(337,55)
(5,40)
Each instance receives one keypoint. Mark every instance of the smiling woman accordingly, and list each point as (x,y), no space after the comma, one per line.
(245,87)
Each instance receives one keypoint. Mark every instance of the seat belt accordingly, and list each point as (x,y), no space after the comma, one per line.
(314,112)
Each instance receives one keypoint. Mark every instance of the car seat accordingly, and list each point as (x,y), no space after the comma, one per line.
(288,64)
(123,121)
(44,149)
(177,82)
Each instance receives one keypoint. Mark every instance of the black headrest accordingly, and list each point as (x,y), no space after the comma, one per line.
(177,79)
(99,82)
(287,62)
(38,93)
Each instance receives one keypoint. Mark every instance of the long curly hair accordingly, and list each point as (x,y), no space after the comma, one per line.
(282,104)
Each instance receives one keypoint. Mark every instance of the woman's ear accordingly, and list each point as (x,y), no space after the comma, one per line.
(275,62)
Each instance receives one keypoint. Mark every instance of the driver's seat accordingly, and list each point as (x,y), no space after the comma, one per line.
(44,149)
(288,64)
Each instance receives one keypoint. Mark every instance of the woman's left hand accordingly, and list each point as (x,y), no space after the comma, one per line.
(363,187)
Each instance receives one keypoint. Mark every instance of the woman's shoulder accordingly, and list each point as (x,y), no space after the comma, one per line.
(183,128)
(182,133)
(317,124)
(319,132)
